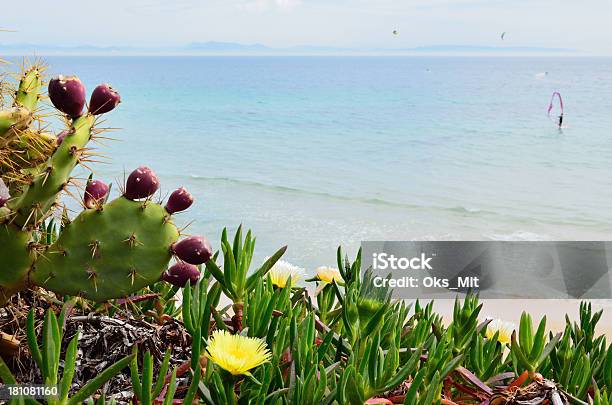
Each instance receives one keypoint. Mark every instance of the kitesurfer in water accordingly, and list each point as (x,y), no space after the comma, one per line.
(560,120)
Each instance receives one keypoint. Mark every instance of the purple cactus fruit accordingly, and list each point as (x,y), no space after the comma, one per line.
(179,200)
(61,136)
(67,94)
(141,183)
(180,273)
(193,250)
(4,194)
(103,99)
(95,193)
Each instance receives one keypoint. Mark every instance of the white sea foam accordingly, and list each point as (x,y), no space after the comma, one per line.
(518,236)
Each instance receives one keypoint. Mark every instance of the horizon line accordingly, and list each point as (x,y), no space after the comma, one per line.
(26,54)
(219,49)
(328,54)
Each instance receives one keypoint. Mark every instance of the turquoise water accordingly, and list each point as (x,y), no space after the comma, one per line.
(322,151)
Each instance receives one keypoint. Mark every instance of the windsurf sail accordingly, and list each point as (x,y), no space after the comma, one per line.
(503,35)
(556,95)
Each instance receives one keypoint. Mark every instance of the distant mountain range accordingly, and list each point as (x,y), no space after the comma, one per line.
(232,48)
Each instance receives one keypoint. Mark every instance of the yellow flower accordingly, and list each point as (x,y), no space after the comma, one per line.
(235,353)
(505,330)
(328,274)
(281,271)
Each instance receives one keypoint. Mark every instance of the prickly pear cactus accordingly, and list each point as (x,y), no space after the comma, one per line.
(103,253)
(110,249)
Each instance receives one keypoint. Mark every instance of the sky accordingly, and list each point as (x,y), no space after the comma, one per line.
(570,24)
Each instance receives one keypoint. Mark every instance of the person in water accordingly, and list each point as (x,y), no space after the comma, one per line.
(560,121)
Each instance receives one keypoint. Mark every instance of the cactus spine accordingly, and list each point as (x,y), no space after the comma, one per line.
(35,202)
(107,251)
(17,118)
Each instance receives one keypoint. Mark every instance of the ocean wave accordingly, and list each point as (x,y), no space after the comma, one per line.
(456,210)
(466,210)
(363,200)
(518,236)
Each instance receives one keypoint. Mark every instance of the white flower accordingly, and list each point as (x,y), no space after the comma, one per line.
(505,330)
(328,274)
(282,270)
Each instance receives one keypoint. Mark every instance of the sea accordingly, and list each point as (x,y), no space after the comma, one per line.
(321,152)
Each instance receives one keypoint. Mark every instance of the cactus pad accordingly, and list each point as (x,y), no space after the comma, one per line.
(15,257)
(110,252)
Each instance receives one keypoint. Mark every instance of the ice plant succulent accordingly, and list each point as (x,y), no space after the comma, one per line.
(532,347)
(328,275)
(234,279)
(502,329)
(237,354)
(325,276)
(282,272)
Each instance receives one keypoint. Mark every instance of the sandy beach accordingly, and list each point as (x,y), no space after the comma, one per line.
(555,310)
(510,310)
